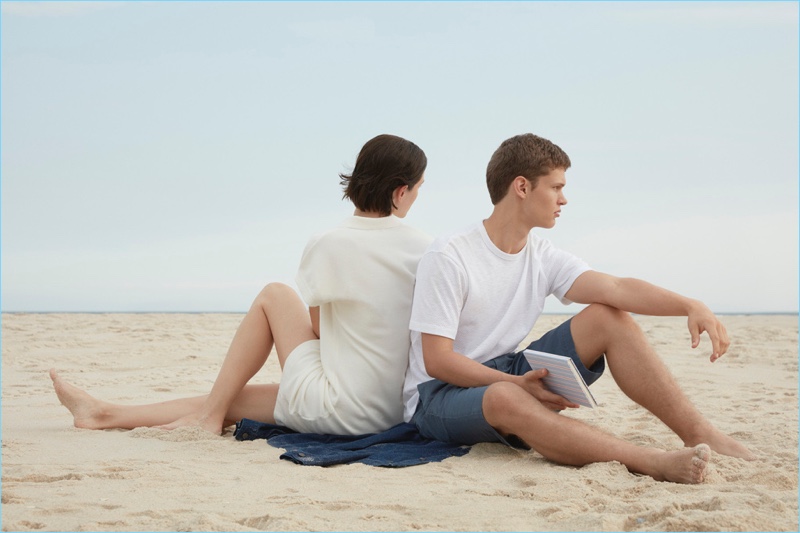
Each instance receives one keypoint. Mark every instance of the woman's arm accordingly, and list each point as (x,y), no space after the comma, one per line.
(314,313)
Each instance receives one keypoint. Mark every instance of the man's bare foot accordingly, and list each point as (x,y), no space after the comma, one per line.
(195,420)
(87,412)
(684,466)
(724,444)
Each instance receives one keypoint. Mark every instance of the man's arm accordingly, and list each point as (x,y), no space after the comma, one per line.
(641,297)
(442,363)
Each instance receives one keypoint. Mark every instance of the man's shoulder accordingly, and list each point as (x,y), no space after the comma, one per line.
(452,250)
(538,244)
(455,239)
(549,256)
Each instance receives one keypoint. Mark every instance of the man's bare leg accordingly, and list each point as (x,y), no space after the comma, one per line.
(511,410)
(255,401)
(642,375)
(277,316)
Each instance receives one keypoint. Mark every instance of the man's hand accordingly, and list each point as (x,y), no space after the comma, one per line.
(701,319)
(533,385)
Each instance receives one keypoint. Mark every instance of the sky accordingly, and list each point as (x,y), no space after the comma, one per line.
(176,156)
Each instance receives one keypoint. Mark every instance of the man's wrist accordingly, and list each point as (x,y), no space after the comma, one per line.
(511,378)
(694,306)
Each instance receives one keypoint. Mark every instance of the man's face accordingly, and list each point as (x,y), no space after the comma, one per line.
(547,198)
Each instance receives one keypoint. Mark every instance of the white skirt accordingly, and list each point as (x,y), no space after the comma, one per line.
(306,397)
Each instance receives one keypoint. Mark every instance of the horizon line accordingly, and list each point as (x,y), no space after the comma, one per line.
(729,313)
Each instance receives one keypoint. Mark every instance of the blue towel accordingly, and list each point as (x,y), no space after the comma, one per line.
(401,445)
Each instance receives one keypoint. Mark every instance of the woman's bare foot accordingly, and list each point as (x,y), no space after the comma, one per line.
(87,411)
(683,466)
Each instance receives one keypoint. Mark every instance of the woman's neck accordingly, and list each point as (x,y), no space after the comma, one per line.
(368,214)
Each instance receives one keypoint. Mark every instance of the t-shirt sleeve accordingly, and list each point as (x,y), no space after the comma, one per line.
(316,276)
(562,269)
(439,295)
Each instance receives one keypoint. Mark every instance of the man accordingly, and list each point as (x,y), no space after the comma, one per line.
(478,293)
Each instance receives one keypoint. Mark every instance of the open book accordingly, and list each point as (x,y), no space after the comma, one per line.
(562,377)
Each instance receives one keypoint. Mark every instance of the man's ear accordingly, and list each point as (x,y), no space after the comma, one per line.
(521,186)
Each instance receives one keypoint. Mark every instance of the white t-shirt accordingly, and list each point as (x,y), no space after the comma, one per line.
(361,275)
(484,299)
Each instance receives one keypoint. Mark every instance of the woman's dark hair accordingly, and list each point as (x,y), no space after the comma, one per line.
(385,163)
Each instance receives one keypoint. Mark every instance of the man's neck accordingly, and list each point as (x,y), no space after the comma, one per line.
(506,232)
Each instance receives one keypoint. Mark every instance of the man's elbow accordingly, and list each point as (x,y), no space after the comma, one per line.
(433,366)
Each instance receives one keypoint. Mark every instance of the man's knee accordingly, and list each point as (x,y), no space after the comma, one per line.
(596,329)
(608,317)
(508,408)
(501,402)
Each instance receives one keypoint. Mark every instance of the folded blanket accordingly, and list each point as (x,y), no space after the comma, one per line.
(401,445)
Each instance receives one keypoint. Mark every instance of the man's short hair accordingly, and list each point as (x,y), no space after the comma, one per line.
(525,155)
(385,163)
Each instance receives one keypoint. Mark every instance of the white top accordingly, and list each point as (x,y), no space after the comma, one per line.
(484,299)
(361,275)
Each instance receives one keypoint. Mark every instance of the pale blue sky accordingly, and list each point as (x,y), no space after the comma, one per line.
(176,156)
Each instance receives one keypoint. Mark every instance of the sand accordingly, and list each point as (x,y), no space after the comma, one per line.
(59,478)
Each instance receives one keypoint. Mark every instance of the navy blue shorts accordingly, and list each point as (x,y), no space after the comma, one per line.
(455,414)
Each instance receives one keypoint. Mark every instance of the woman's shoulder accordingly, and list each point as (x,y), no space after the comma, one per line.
(417,235)
(361,228)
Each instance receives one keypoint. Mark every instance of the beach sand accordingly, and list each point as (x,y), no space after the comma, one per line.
(59,478)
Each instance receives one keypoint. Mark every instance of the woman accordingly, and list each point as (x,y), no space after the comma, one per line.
(344,357)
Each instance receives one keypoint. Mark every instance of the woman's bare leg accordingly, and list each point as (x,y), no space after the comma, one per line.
(277,318)
(256,402)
